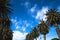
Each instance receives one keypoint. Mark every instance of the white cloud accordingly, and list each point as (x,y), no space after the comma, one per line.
(33,8)
(27,24)
(41,13)
(13,20)
(17,27)
(23,28)
(17,35)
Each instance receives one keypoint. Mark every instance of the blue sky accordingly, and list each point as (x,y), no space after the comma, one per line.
(27,14)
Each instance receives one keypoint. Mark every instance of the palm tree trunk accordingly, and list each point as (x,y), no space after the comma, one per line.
(44,37)
(57,30)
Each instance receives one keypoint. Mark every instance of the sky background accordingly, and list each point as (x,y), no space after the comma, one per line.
(27,14)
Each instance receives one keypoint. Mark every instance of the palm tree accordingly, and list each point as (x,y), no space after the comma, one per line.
(29,36)
(32,35)
(55,39)
(35,33)
(5,31)
(53,18)
(7,34)
(43,29)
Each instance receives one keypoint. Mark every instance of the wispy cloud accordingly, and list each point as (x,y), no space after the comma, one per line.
(17,27)
(23,28)
(26,4)
(21,24)
(33,9)
(41,13)
(58,8)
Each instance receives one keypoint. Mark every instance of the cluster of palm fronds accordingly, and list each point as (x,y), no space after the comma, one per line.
(5,31)
(53,18)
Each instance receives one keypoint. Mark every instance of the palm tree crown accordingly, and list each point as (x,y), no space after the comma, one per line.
(53,18)
(43,29)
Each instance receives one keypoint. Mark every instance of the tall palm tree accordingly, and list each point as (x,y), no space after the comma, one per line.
(32,35)
(53,18)
(43,29)
(6,32)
